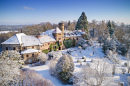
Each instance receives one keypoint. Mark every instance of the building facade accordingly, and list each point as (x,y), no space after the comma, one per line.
(30,46)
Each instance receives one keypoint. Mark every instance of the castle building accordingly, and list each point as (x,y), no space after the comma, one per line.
(30,46)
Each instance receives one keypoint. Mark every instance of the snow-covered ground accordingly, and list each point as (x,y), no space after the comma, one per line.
(88,53)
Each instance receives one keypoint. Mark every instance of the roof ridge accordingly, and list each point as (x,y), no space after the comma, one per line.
(17,38)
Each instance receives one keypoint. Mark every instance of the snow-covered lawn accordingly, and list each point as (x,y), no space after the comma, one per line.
(88,53)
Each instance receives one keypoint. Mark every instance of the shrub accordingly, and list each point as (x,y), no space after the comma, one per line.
(65,67)
(52,65)
(45,51)
(125,64)
(30,61)
(78,61)
(84,46)
(123,70)
(68,43)
(83,57)
(42,58)
(85,60)
(55,55)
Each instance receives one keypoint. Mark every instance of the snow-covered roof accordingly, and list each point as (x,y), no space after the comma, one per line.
(30,51)
(46,38)
(30,40)
(16,39)
(68,33)
(82,32)
(49,33)
(57,30)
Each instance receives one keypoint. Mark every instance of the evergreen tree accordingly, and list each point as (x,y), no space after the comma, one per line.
(69,23)
(110,26)
(82,23)
(64,67)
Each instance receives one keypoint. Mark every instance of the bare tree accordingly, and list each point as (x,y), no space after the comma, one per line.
(96,73)
(32,78)
(114,59)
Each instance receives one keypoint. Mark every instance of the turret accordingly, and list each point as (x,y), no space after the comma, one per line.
(61,26)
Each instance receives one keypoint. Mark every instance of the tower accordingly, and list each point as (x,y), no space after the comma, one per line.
(61,26)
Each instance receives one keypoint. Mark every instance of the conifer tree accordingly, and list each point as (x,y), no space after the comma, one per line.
(69,23)
(110,26)
(82,23)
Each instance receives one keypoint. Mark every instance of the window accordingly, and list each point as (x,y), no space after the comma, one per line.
(77,38)
(59,38)
(22,57)
(48,43)
(32,55)
(14,48)
(23,48)
(26,55)
(6,48)
(32,46)
(59,34)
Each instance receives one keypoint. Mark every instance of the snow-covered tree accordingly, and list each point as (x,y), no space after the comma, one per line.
(95,74)
(55,55)
(111,26)
(84,46)
(9,68)
(52,65)
(82,23)
(128,79)
(123,70)
(81,41)
(32,78)
(42,58)
(65,67)
(128,60)
(114,59)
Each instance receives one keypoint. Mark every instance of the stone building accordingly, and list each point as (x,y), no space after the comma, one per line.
(30,46)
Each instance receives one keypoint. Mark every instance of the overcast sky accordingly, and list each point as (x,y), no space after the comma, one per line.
(15,12)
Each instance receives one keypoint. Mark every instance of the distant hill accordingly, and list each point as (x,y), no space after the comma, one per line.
(11,27)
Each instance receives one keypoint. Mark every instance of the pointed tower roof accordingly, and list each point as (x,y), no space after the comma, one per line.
(57,30)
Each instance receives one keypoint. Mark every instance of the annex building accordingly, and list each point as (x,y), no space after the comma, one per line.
(29,46)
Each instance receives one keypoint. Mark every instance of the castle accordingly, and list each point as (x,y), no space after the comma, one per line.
(30,46)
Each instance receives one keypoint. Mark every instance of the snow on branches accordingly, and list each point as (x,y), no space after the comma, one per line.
(65,67)
(9,67)
(32,78)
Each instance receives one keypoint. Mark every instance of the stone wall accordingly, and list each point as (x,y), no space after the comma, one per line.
(11,47)
(30,56)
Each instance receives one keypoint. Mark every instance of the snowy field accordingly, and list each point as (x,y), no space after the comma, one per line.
(88,53)
(1,32)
